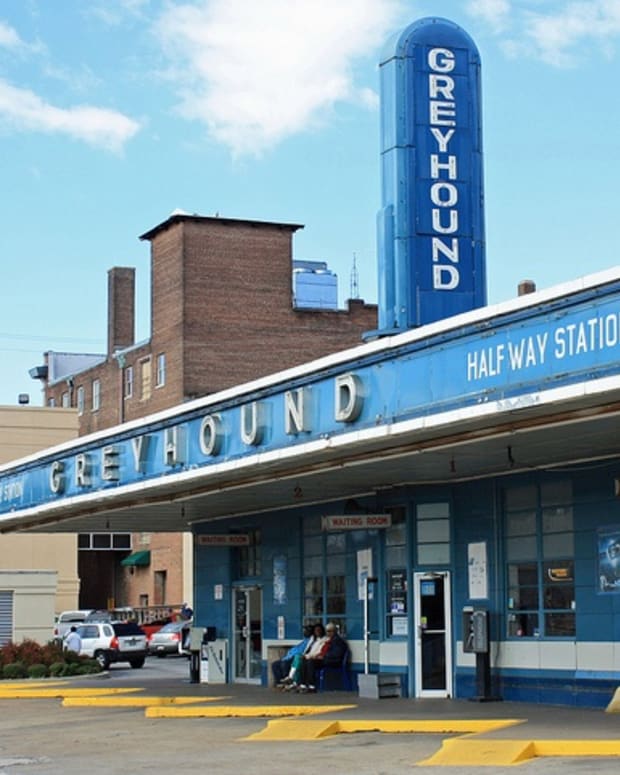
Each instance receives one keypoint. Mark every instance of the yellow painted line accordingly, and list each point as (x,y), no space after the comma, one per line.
(137,702)
(248,711)
(60,691)
(495,753)
(290,729)
(31,684)
(429,726)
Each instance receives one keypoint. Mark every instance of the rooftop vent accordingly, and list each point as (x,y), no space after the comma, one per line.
(525,287)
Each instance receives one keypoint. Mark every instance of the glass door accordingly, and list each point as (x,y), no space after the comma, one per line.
(433,642)
(247,647)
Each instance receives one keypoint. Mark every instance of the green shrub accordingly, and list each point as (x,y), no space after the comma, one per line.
(89,667)
(30,659)
(38,671)
(14,670)
(71,657)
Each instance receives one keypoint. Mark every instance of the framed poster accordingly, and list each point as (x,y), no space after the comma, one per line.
(477,571)
(609,560)
(397,591)
(279,579)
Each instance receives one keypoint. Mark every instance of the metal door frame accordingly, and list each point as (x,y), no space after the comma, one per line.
(247,589)
(447,601)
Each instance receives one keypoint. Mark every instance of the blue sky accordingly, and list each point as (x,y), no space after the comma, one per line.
(113,113)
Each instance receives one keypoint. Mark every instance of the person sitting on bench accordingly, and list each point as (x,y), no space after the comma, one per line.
(281,667)
(331,654)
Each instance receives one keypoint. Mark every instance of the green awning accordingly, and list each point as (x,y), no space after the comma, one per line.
(137,558)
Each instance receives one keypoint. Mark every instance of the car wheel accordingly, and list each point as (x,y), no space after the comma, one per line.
(161,654)
(135,663)
(103,659)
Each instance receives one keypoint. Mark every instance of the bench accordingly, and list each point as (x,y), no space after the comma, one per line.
(342,669)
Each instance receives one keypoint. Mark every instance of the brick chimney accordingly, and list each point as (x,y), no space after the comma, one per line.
(121,307)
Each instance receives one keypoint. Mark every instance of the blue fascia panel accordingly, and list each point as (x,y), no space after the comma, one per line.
(567,341)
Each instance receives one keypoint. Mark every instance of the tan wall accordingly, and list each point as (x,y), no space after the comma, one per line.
(23,431)
(33,603)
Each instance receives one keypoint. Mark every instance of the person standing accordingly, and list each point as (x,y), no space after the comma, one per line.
(73,641)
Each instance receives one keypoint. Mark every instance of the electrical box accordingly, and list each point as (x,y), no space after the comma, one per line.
(213,661)
(196,635)
(475,630)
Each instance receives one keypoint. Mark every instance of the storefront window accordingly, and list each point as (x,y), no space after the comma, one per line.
(433,533)
(324,576)
(249,557)
(396,573)
(313,598)
(540,569)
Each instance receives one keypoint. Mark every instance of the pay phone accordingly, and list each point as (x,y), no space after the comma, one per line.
(476,641)
(475,630)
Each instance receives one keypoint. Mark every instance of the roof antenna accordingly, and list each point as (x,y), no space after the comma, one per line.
(354,290)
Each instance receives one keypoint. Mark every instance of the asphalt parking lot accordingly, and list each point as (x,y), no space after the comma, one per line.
(43,735)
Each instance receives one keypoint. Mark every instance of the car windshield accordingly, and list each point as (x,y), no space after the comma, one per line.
(173,627)
(98,616)
(72,616)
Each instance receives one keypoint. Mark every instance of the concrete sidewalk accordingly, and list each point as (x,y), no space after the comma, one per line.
(479,733)
(451,732)
(543,720)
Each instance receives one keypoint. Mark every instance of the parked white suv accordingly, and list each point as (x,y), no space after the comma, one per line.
(66,620)
(109,642)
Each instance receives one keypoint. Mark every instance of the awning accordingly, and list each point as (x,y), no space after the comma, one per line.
(137,558)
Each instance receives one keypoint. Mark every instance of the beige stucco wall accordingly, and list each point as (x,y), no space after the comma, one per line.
(34,595)
(23,431)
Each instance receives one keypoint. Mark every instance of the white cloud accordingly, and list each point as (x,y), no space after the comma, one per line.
(495,13)
(9,37)
(560,35)
(256,73)
(99,127)
(115,14)
(557,36)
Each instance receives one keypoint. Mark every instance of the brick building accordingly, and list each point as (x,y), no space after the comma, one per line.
(223,312)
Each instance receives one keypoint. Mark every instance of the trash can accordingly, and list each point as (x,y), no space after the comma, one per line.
(213,661)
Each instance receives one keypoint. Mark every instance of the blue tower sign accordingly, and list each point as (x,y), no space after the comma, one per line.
(431,224)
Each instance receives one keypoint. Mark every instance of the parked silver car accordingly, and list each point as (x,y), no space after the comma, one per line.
(170,639)
(109,642)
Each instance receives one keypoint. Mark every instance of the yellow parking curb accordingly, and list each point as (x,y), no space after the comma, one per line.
(577,747)
(255,711)
(137,702)
(289,729)
(60,691)
(614,705)
(492,753)
(496,753)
